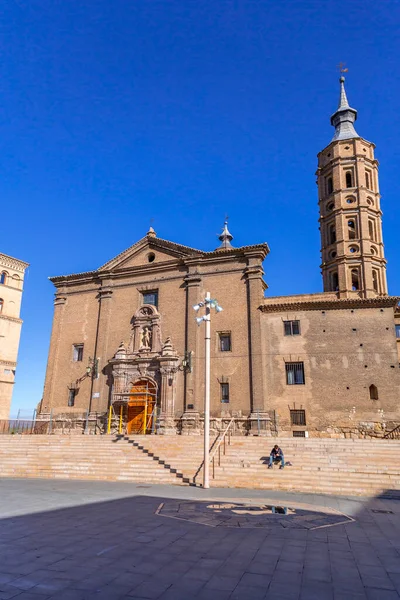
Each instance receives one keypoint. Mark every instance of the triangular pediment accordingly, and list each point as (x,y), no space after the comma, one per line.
(147,251)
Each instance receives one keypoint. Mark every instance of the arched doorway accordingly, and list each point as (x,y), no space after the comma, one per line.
(141,406)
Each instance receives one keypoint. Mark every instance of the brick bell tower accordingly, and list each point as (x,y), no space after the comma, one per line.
(353,263)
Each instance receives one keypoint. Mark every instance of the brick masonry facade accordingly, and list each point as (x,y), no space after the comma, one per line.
(316,364)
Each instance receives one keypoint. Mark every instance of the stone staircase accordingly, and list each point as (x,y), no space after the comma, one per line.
(343,467)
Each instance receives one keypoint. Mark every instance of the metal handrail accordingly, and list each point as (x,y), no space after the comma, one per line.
(217,447)
(394,434)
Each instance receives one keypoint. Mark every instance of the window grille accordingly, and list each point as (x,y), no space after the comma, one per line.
(78,352)
(224,393)
(298,417)
(291,327)
(225,342)
(150,298)
(294,373)
(299,434)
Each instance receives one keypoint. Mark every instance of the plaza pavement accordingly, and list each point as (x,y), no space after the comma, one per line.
(80,540)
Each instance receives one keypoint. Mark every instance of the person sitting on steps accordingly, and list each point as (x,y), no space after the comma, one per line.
(276,456)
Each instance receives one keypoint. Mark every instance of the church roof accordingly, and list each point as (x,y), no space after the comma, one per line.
(176,250)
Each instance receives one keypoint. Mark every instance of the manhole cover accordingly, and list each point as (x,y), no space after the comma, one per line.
(224,514)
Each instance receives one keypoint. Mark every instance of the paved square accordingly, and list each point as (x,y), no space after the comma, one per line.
(223,514)
(78,540)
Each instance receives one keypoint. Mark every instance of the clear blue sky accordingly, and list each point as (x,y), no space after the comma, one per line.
(115,113)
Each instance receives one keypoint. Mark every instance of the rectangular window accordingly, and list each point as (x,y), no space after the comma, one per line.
(77,352)
(397,331)
(299,434)
(294,373)
(150,298)
(298,417)
(225,342)
(224,393)
(71,397)
(291,327)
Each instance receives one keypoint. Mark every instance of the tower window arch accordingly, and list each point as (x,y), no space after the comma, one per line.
(352,228)
(329,185)
(375,280)
(371,230)
(331,234)
(355,280)
(3,277)
(373,392)
(334,281)
(349,179)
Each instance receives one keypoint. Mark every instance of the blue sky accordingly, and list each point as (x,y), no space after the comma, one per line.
(116,113)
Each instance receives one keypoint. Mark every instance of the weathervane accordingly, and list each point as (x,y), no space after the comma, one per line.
(342,67)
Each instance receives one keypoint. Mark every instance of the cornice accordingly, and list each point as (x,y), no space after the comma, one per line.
(13,263)
(13,319)
(8,363)
(339,304)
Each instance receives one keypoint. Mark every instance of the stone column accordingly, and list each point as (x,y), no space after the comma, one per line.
(51,372)
(192,391)
(255,289)
(168,394)
(100,389)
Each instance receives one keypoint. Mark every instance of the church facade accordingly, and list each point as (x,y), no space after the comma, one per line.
(125,341)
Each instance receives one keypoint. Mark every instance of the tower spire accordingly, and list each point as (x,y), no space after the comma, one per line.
(344,117)
(225,238)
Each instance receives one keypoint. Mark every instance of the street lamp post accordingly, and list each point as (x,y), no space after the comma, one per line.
(208,304)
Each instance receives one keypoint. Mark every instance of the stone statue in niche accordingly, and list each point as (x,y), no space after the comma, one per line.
(145,338)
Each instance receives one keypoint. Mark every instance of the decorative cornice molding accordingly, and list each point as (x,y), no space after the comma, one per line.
(12,263)
(13,319)
(339,304)
(8,363)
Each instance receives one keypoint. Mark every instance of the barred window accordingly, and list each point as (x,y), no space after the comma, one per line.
(298,417)
(291,327)
(294,373)
(299,434)
(224,393)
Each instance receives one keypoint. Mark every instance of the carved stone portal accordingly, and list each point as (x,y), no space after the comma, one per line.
(144,357)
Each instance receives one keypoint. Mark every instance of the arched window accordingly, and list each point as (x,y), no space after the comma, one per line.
(371,230)
(349,179)
(368,180)
(1,305)
(355,280)
(375,280)
(3,277)
(335,281)
(373,392)
(351,225)
(331,234)
(329,185)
